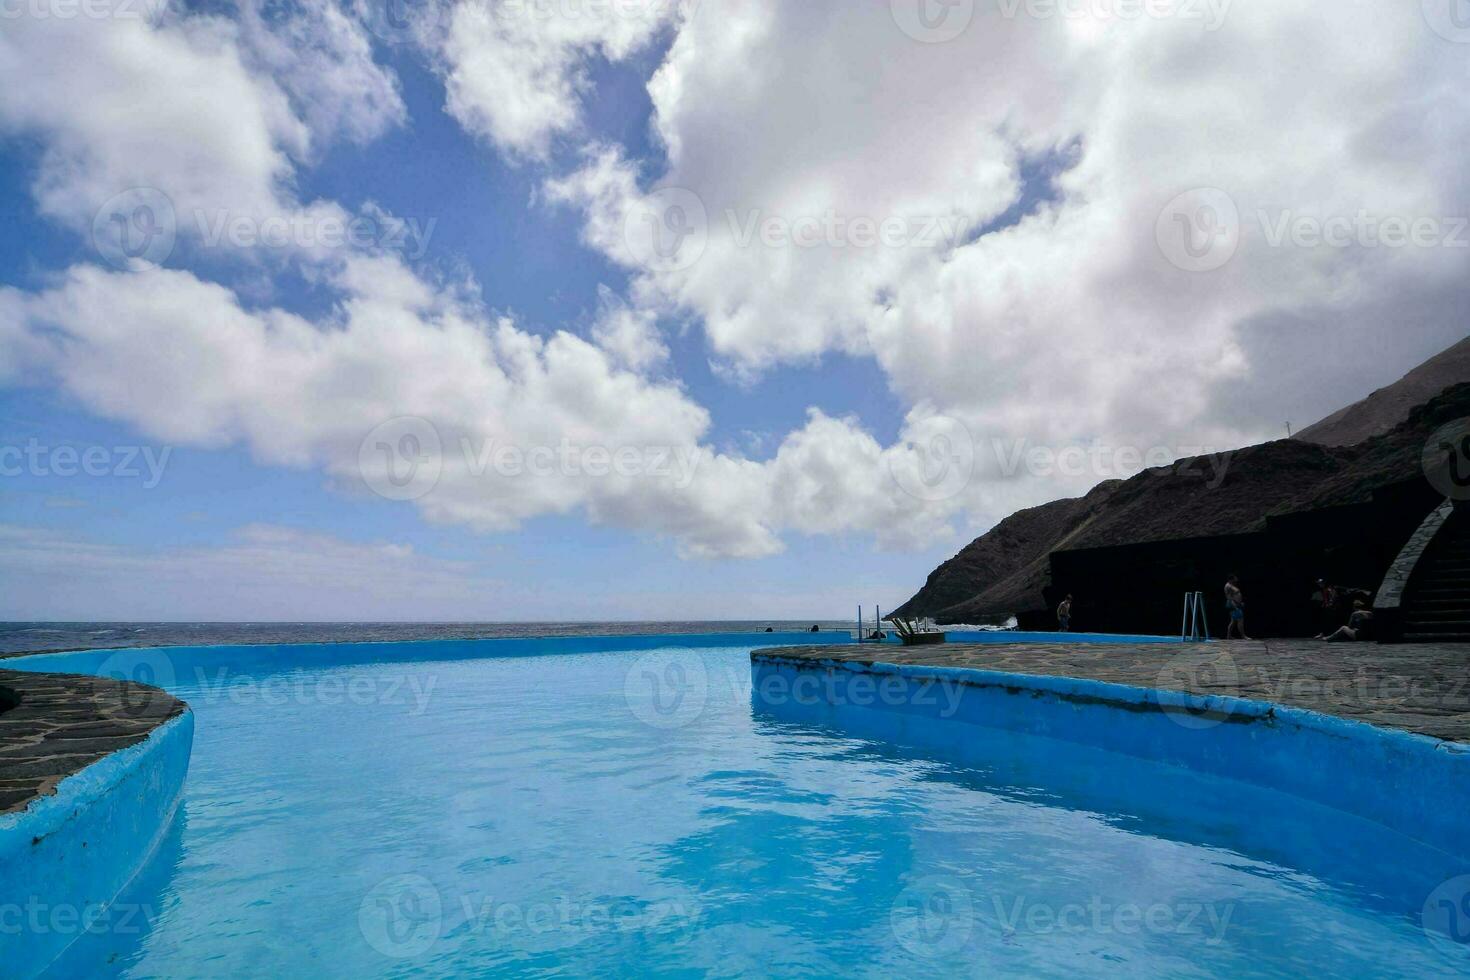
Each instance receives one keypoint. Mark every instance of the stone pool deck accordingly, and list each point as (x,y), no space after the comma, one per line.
(55,725)
(1423,688)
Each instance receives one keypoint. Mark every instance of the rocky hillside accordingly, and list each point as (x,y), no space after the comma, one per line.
(1004,571)
(1008,562)
(1387,407)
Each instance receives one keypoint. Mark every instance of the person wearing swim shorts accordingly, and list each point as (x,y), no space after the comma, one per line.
(1235,607)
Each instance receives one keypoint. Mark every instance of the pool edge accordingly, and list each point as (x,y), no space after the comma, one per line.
(66,857)
(1414,784)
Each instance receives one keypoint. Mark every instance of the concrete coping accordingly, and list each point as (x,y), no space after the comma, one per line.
(55,725)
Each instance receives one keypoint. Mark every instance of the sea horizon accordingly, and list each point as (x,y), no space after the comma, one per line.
(28,637)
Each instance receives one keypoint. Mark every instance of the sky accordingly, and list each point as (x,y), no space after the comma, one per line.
(649,309)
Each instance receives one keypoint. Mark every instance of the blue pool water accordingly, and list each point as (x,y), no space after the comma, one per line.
(631,813)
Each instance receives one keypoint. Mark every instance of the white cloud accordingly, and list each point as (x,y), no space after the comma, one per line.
(525,426)
(1072,325)
(212,114)
(186,361)
(826,178)
(629,335)
(324,61)
(516,70)
(124,103)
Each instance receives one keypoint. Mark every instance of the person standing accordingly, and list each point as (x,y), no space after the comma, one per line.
(1064,615)
(1235,607)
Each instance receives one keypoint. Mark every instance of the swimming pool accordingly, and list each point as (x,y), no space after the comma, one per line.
(362,811)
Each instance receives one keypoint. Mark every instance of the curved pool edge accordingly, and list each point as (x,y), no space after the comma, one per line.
(65,858)
(1414,784)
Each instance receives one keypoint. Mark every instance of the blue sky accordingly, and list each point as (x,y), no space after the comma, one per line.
(529,258)
(853,408)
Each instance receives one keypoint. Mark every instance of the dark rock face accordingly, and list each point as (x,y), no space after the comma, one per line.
(54,725)
(1387,407)
(1281,513)
(1003,571)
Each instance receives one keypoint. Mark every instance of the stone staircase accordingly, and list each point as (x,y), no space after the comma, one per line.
(1437,601)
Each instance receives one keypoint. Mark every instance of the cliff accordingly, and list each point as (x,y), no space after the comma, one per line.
(1007,570)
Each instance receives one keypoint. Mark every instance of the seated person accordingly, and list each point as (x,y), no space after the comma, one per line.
(1360,625)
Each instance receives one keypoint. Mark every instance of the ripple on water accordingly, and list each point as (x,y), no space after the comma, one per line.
(528,819)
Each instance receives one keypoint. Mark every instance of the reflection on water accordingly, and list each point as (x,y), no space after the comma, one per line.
(565,815)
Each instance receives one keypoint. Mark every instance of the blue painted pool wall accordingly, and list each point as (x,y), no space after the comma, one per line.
(65,857)
(1415,785)
(413,651)
(307,654)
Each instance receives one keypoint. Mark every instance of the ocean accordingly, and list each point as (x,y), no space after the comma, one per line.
(47,637)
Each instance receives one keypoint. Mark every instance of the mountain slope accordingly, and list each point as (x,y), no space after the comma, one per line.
(1389,406)
(1006,570)
(1007,562)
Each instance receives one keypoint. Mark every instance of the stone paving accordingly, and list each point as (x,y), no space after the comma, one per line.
(54,725)
(1419,687)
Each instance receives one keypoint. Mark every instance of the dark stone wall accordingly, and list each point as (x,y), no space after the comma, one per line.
(1140,588)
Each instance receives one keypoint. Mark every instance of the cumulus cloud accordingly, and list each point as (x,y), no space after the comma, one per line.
(628,334)
(202,120)
(516,70)
(1063,309)
(522,426)
(324,60)
(996,219)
